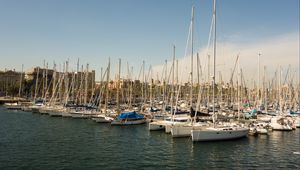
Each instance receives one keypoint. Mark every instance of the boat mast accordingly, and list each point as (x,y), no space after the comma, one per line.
(208,79)
(66,96)
(118,88)
(43,81)
(258,82)
(198,70)
(172,94)
(36,83)
(131,87)
(46,81)
(238,89)
(192,55)
(151,85)
(215,52)
(77,82)
(54,80)
(86,84)
(265,89)
(299,84)
(165,86)
(143,81)
(280,101)
(101,85)
(20,88)
(107,84)
(81,84)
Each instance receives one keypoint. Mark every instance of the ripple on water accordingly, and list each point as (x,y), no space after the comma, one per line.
(33,141)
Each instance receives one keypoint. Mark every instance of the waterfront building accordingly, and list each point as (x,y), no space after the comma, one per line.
(10,82)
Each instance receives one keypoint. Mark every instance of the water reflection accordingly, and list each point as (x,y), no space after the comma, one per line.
(32,141)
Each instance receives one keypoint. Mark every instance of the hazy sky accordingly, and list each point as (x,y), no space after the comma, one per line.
(137,30)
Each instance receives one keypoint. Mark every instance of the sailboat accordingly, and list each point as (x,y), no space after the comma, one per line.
(129,118)
(183,128)
(17,105)
(221,132)
(106,115)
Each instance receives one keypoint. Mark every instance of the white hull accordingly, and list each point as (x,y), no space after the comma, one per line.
(13,106)
(184,130)
(169,125)
(35,109)
(215,134)
(78,115)
(26,109)
(44,111)
(181,131)
(258,130)
(128,122)
(279,123)
(262,131)
(103,119)
(54,113)
(281,127)
(166,124)
(168,128)
(159,125)
(297,122)
(66,114)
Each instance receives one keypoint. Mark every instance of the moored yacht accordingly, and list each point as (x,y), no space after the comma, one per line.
(280,123)
(129,118)
(219,133)
(102,118)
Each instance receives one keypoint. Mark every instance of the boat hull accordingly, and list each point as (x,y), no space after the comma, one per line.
(14,107)
(128,122)
(66,114)
(103,119)
(215,134)
(181,131)
(156,126)
(55,114)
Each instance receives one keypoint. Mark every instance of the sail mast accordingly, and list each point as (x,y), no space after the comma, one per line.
(172,94)
(192,48)
(36,83)
(107,85)
(258,82)
(118,88)
(215,52)
(21,79)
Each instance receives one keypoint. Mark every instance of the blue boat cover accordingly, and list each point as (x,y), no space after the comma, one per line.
(292,112)
(130,115)
(39,101)
(253,111)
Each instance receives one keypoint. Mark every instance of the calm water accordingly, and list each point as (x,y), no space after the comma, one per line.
(33,141)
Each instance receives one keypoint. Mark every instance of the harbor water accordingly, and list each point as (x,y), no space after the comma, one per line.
(34,141)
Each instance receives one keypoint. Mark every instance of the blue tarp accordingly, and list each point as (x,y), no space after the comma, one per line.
(292,112)
(130,115)
(250,114)
(253,111)
(39,101)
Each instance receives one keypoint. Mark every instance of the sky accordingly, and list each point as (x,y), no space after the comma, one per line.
(32,31)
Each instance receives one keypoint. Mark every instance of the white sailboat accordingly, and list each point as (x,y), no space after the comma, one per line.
(280,123)
(215,132)
(104,116)
(183,128)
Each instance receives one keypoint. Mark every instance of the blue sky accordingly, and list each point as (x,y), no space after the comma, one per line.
(133,30)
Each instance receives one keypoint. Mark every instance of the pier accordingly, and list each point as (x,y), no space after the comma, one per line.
(11,100)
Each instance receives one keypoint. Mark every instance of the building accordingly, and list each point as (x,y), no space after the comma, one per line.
(45,81)
(10,82)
